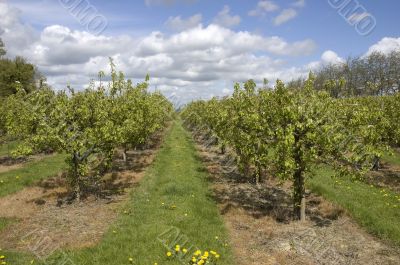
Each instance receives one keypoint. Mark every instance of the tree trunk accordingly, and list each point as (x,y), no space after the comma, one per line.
(76,178)
(124,156)
(299,196)
(258,173)
(377,164)
(223,149)
(246,168)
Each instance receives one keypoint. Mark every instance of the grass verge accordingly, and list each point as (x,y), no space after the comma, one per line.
(377,210)
(173,194)
(15,180)
(8,147)
(393,159)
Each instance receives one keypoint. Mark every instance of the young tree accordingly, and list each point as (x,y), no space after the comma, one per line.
(2,49)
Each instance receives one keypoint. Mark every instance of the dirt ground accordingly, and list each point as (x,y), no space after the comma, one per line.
(388,176)
(45,215)
(259,219)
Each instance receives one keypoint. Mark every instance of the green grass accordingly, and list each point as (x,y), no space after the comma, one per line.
(375,209)
(393,159)
(177,178)
(7,148)
(4,222)
(15,180)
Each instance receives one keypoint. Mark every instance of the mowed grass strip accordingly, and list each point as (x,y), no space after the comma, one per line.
(173,194)
(393,159)
(15,180)
(376,209)
(8,147)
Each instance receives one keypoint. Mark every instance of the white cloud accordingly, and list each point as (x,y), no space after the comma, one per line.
(223,41)
(285,16)
(15,34)
(331,57)
(263,7)
(357,17)
(179,24)
(327,58)
(386,45)
(196,62)
(225,19)
(299,3)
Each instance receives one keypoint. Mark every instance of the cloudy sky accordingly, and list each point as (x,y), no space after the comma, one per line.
(194,48)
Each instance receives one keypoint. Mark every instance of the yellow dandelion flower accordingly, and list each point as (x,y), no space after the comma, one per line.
(184,250)
(130,260)
(169,254)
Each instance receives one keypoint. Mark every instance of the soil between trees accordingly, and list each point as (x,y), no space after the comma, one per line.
(259,219)
(44,208)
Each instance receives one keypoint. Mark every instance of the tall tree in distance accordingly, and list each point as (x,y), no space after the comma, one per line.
(2,49)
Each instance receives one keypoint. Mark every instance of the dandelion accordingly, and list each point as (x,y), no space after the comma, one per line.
(184,250)
(177,248)
(130,260)
(169,254)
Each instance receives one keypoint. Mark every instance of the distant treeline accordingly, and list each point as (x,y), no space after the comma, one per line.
(17,72)
(372,75)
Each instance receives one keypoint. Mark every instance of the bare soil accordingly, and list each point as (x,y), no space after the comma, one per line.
(45,214)
(259,219)
(388,176)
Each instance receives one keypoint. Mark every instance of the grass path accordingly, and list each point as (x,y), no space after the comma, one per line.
(173,194)
(378,210)
(7,148)
(15,180)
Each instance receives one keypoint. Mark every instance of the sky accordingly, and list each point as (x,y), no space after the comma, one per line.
(194,48)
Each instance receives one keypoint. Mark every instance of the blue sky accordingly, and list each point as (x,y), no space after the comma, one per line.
(287,38)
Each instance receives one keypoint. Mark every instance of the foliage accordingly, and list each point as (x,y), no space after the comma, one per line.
(2,49)
(371,75)
(288,131)
(14,73)
(87,125)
